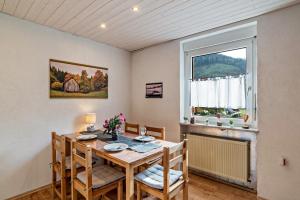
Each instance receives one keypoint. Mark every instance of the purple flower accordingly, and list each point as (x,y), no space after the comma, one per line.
(114,123)
(122,118)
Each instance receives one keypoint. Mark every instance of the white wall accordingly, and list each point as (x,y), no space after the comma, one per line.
(278,98)
(27,115)
(157,64)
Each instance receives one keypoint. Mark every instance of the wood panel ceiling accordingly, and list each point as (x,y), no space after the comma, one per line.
(155,21)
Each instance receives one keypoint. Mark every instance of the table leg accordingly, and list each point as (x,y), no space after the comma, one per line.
(129,183)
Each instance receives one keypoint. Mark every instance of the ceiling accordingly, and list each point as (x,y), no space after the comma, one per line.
(155,21)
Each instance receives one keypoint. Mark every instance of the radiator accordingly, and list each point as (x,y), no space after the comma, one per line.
(218,156)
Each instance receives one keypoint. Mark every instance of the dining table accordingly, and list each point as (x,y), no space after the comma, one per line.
(128,159)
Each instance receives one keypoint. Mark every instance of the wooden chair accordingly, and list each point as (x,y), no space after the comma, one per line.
(93,182)
(158,133)
(132,128)
(167,182)
(59,166)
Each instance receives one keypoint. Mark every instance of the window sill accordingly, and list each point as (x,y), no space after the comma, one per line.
(235,128)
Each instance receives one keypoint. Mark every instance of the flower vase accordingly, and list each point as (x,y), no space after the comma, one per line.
(114,135)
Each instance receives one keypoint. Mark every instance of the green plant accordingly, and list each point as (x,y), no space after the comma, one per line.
(113,125)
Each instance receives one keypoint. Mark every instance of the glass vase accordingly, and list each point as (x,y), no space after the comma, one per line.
(114,135)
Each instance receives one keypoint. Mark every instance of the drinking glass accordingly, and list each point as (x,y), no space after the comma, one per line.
(143,131)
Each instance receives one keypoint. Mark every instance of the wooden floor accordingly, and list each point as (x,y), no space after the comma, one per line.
(199,189)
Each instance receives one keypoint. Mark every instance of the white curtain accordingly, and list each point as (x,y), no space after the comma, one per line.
(228,92)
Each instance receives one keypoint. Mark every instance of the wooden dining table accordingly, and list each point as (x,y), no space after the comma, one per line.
(127,159)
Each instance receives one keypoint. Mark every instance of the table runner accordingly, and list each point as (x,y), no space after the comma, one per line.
(140,147)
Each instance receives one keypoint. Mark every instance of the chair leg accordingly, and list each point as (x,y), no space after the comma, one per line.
(53,183)
(89,195)
(185,192)
(63,188)
(138,190)
(53,191)
(74,193)
(120,190)
(166,198)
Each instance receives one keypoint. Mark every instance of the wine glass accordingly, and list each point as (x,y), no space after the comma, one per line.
(143,131)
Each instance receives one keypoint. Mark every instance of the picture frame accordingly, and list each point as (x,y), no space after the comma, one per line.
(154,90)
(75,80)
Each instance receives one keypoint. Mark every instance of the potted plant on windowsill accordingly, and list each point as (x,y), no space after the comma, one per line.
(219,122)
(113,126)
(186,120)
(245,118)
(231,123)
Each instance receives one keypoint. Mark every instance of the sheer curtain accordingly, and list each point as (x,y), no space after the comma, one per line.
(227,92)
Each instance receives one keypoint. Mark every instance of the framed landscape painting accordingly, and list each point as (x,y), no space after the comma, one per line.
(154,90)
(74,80)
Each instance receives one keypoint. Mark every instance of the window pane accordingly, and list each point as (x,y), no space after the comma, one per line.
(218,84)
(227,63)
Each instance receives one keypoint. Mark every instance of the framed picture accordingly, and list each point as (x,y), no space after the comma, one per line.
(74,80)
(154,90)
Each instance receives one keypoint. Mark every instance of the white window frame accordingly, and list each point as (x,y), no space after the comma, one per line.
(251,76)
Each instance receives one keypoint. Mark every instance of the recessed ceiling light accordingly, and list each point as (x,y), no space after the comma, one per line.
(103,25)
(135,9)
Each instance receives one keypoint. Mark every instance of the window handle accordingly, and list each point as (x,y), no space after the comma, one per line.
(255,108)
(248,90)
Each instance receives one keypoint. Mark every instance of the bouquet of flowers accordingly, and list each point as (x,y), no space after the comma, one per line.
(113,125)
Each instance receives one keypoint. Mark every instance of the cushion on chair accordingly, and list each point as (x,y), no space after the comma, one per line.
(101,176)
(153,176)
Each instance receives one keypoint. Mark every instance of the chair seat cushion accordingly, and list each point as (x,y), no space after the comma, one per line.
(101,176)
(153,176)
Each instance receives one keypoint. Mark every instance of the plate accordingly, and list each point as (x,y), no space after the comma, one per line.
(115,147)
(145,138)
(86,137)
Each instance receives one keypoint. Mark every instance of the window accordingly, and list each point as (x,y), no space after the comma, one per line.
(218,83)
(222,79)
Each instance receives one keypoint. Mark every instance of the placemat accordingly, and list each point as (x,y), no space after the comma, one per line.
(140,147)
(146,147)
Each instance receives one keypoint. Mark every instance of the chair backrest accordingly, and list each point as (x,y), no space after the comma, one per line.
(172,157)
(132,128)
(82,155)
(58,148)
(158,133)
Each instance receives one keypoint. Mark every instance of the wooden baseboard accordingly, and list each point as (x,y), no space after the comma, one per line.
(30,192)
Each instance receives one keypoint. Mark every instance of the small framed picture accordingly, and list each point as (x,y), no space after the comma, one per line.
(154,90)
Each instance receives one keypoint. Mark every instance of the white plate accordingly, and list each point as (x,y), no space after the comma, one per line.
(115,147)
(86,137)
(145,138)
